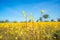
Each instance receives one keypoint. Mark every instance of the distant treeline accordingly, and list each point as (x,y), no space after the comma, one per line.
(52,20)
(6,21)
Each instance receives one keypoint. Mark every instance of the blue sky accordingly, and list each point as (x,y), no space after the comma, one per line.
(11,9)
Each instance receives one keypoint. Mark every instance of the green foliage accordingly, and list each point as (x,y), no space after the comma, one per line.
(58,19)
(1,21)
(45,16)
(6,21)
(14,21)
(37,21)
(46,21)
(57,34)
(40,19)
(29,21)
(52,20)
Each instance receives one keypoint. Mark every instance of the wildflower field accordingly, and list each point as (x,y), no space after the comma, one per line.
(29,31)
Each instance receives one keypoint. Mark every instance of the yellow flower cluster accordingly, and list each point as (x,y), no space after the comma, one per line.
(32,31)
(0,36)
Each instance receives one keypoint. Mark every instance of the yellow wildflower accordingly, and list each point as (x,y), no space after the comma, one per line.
(16,38)
(21,33)
(5,32)
(0,36)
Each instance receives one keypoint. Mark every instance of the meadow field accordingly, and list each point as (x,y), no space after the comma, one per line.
(30,31)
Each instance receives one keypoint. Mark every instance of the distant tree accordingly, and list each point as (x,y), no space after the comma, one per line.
(6,21)
(58,19)
(14,21)
(52,20)
(45,16)
(40,19)
(46,21)
(37,20)
(42,12)
(29,21)
(1,21)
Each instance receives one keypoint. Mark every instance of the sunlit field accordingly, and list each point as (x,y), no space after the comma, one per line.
(30,31)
